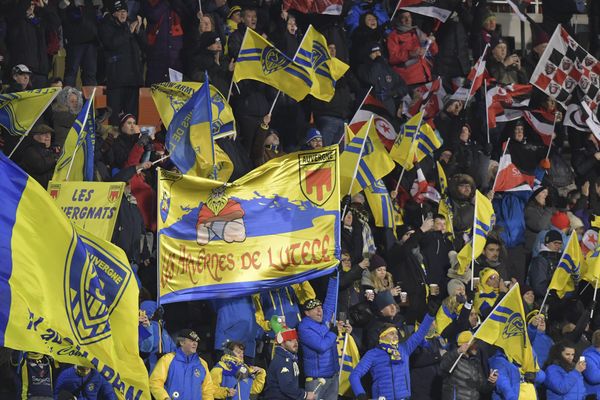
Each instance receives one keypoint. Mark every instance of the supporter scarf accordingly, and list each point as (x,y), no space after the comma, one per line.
(233,365)
(391,347)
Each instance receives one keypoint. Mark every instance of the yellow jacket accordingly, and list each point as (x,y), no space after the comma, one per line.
(246,387)
(169,379)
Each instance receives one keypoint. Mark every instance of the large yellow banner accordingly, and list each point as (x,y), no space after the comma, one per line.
(275,226)
(93,206)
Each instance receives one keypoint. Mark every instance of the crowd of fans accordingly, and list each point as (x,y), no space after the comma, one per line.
(399,296)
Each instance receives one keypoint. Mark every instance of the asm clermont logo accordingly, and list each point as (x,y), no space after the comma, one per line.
(318,175)
(319,55)
(94,282)
(273,60)
(514,327)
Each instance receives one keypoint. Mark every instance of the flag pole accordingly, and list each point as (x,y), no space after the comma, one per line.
(210,124)
(498,172)
(362,103)
(362,147)
(553,134)
(595,292)
(28,130)
(477,331)
(473,242)
(234,67)
(87,113)
(544,301)
(487,117)
(158,198)
(343,353)
(479,62)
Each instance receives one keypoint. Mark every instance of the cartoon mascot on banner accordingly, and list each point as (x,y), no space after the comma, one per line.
(220,217)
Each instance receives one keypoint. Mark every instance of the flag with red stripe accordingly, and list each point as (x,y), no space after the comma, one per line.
(429,97)
(506,103)
(510,178)
(542,123)
(381,119)
(439,9)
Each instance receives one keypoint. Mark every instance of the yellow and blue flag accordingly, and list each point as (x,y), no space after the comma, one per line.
(313,54)
(413,146)
(568,271)
(20,110)
(381,204)
(169,97)
(190,142)
(366,155)
(506,327)
(63,291)
(76,161)
(275,226)
(484,215)
(445,206)
(350,361)
(591,268)
(261,61)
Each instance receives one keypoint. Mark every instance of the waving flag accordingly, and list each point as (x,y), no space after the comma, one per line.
(568,272)
(190,141)
(261,61)
(484,215)
(506,103)
(19,111)
(350,361)
(509,177)
(576,118)
(366,156)
(542,123)
(169,97)
(506,327)
(275,226)
(76,161)
(411,145)
(313,55)
(429,97)
(373,107)
(439,9)
(329,7)
(381,204)
(63,291)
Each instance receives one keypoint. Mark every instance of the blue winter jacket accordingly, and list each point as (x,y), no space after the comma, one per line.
(236,321)
(282,298)
(319,344)
(158,341)
(592,371)
(563,385)
(96,388)
(509,378)
(181,376)
(541,344)
(391,381)
(361,7)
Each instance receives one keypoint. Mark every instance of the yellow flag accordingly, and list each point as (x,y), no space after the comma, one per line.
(313,54)
(374,162)
(568,271)
(348,134)
(484,214)
(506,328)
(63,291)
(169,97)
(591,268)
(415,141)
(20,110)
(381,204)
(76,161)
(351,359)
(275,226)
(444,206)
(261,61)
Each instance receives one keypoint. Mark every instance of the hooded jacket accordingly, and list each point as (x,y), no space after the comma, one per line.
(390,380)
(486,295)
(225,375)
(319,344)
(182,377)
(509,378)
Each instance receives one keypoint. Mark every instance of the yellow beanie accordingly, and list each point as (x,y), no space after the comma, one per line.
(464,337)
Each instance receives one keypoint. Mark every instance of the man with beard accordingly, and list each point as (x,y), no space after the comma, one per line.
(490,258)
(388,87)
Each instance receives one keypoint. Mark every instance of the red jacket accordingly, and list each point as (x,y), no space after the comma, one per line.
(142,191)
(411,70)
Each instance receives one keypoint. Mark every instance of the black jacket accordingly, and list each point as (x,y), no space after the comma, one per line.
(452,59)
(39,162)
(79,23)
(122,53)
(435,246)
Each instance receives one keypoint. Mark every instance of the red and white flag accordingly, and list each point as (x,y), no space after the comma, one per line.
(421,189)
(542,123)
(329,7)
(439,9)
(510,178)
(381,119)
(430,97)
(506,103)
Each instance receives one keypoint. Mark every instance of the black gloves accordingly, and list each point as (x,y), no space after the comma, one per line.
(433,305)
(529,377)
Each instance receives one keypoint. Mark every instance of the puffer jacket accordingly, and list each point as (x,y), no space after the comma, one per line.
(400,43)
(177,375)
(95,388)
(319,344)
(541,269)
(236,321)
(467,380)
(592,371)
(509,378)
(391,381)
(563,385)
